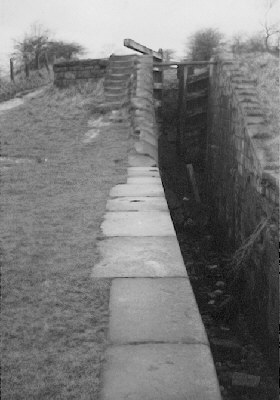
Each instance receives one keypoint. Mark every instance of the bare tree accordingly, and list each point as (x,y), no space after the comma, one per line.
(271,29)
(30,49)
(36,49)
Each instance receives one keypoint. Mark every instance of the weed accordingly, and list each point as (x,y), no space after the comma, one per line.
(9,89)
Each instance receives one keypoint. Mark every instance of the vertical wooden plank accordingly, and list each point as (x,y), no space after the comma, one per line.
(158,78)
(27,72)
(179,107)
(12,70)
(46,62)
(183,76)
(208,132)
(186,71)
(191,176)
(161,79)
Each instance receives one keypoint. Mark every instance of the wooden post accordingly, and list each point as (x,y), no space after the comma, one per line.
(26,66)
(191,175)
(46,62)
(131,44)
(208,131)
(160,83)
(158,86)
(12,70)
(182,76)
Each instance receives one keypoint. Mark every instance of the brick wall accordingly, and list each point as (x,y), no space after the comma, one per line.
(242,168)
(67,73)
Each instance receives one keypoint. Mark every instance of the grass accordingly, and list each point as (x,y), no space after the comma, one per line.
(54,192)
(10,89)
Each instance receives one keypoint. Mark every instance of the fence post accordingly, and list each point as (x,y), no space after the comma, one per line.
(182,73)
(26,67)
(12,70)
(158,84)
(46,62)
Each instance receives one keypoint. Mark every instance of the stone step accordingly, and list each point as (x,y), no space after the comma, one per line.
(137,204)
(147,310)
(117,77)
(118,97)
(140,160)
(146,180)
(115,96)
(110,106)
(159,372)
(116,101)
(117,83)
(143,171)
(124,76)
(157,223)
(115,69)
(116,91)
(116,88)
(123,63)
(128,57)
(132,190)
(121,87)
(124,257)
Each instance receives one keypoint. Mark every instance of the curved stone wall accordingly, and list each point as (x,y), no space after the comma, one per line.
(242,167)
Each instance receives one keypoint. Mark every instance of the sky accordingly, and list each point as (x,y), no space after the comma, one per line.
(102,25)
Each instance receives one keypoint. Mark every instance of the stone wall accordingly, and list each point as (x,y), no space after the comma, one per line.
(144,124)
(242,167)
(67,73)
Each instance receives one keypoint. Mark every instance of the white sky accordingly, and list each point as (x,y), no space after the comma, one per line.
(101,25)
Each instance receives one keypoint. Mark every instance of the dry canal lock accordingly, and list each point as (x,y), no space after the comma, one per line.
(187,254)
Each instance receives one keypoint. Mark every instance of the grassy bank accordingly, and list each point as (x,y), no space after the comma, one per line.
(54,192)
(9,89)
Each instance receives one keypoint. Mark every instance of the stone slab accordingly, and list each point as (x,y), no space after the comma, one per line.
(140,160)
(154,310)
(143,171)
(143,147)
(144,180)
(139,257)
(160,372)
(137,204)
(157,223)
(138,190)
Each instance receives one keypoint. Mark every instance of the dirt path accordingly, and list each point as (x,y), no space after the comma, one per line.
(54,187)
(13,103)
